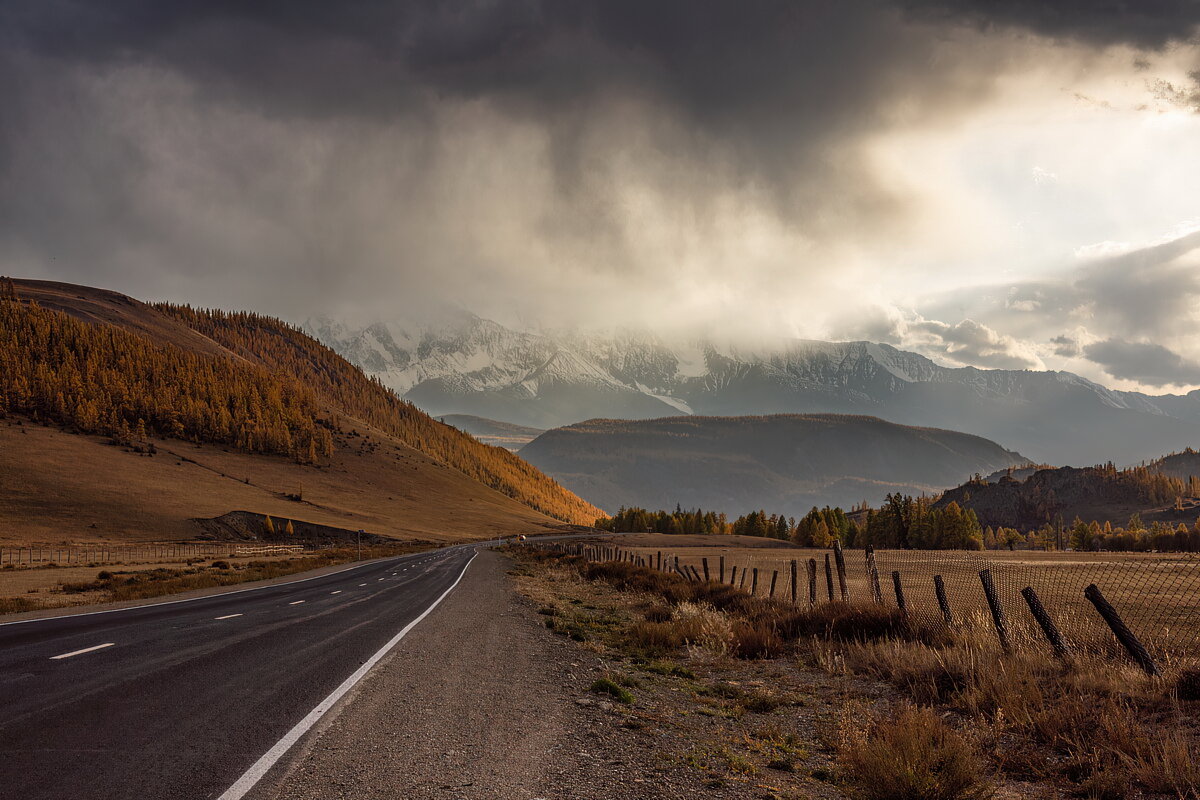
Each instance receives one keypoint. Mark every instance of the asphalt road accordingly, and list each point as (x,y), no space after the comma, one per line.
(179,700)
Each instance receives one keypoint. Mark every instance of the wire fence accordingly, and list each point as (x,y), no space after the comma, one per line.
(1154,596)
(126,554)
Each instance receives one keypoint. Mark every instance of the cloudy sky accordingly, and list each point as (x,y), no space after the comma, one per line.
(997,183)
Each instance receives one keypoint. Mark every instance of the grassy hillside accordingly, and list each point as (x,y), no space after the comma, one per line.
(102,363)
(786,462)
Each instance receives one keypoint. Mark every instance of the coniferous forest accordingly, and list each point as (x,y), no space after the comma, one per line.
(275,391)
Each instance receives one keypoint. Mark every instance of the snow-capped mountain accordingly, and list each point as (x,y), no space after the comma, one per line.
(466,365)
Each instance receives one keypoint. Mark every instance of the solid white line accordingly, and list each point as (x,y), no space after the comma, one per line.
(295,602)
(260,768)
(81,652)
(228,616)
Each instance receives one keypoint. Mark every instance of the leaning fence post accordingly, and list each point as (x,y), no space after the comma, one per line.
(733,575)
(873,575)
(754,584)
(993,599)
(1061,649)
(1120,629)
(742,582)
(899,592)
(840,558)
(811,566)
(704,561)
(794,588)
(721,570)
(939,589)
(829,577)
(774,577)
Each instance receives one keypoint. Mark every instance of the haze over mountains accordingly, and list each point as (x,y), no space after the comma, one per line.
(468,365)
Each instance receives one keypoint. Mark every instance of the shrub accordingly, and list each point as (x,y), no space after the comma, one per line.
(913,755)
(612,689)
(756,640)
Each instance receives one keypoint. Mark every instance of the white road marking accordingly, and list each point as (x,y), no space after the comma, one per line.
(339,591)
(81,652)
(362,584)
(260,768)
(295,602)
(228,616)
(381,579)
(188,599)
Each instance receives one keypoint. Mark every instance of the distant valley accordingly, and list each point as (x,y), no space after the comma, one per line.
(471,366)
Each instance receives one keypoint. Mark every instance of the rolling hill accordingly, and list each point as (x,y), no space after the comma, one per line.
(786,463)
(261,404)
(461,364)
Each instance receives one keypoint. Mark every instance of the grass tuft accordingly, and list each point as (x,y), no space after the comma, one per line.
(613,689)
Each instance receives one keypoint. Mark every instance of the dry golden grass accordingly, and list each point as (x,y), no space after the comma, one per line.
(1155,593)
(912,754)
(63,488)
(1100,727)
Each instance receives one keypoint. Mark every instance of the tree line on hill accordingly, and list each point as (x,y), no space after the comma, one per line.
(905,522)
(279,393)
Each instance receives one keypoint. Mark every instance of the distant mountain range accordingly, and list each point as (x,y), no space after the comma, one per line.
(467,365)
(785,463)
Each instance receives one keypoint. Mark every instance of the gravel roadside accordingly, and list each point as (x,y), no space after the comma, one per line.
(478,701)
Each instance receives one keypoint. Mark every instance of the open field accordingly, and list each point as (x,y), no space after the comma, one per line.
(59,488)
(1157,594)
(921,711)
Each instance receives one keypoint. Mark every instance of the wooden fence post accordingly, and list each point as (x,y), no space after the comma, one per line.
(704,561)
(939,589)
(873,575)
(733,575)
(993,599)
(811,566)
(840,558)
(742,582)
(899,592)
(794,587)
(754,584)
(1125,636)
(1061,648)
(829,577)
(774,577)
(659,566)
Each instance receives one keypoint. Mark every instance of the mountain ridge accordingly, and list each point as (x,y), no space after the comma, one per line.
(477,367)
(787,462)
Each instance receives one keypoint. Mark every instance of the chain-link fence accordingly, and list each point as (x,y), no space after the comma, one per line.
(1156,595)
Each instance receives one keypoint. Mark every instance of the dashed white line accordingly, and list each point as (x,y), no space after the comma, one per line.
(295,602)
(228,616)
(260,768)
(339,591)
(362,584)
(81,652)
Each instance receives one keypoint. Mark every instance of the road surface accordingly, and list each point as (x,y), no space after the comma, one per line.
(191,699)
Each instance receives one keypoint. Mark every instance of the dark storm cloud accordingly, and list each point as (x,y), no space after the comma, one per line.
(1148,24)
(191,141)
(1147,363)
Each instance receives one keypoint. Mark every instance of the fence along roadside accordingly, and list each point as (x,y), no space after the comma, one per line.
(1143,606)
